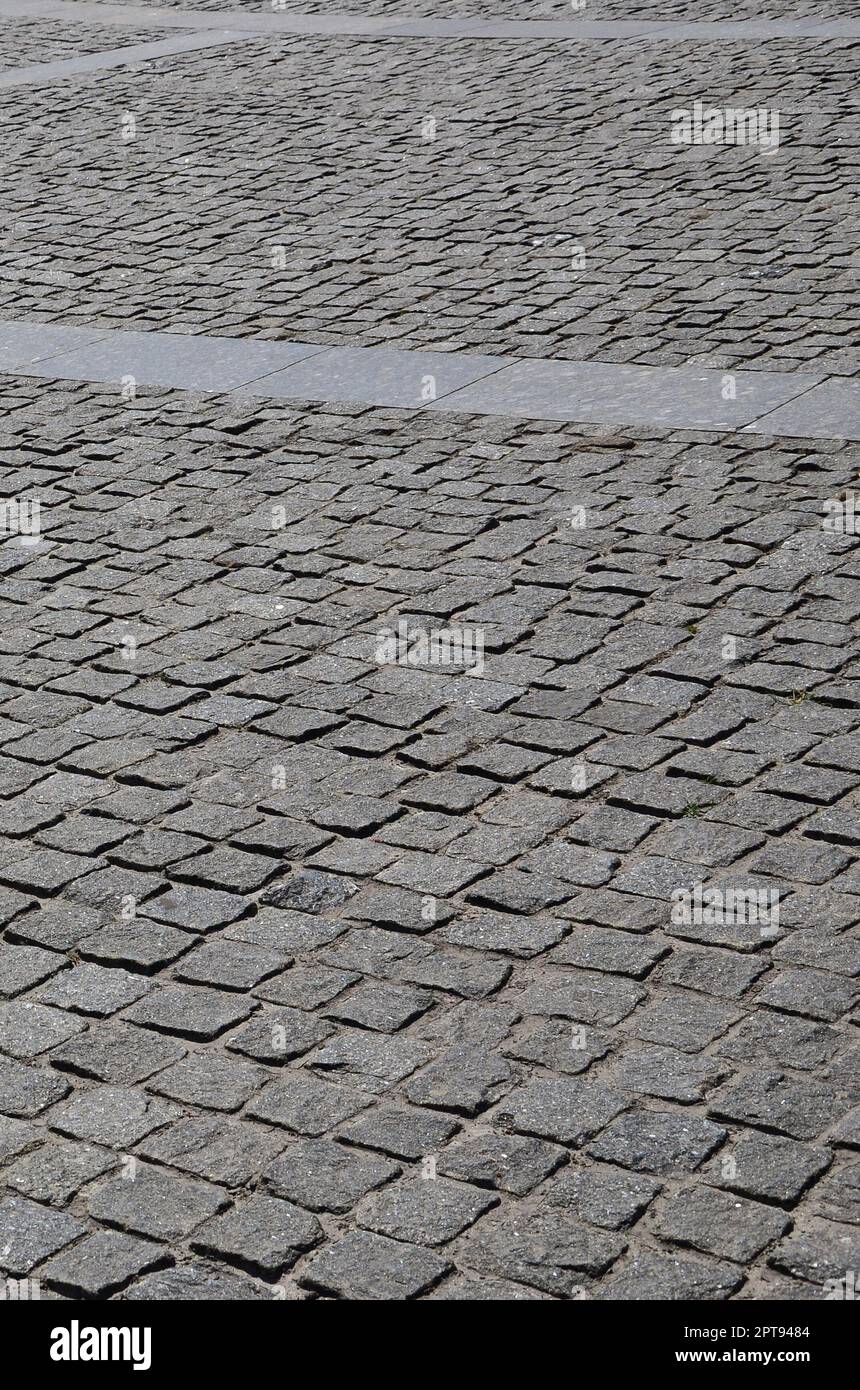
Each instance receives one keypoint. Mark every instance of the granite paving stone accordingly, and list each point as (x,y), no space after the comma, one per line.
(583,995)
(551,1252)
(306,1105)
(481,1289)
(466,1080)
(602,1196)
(511,1164)
(567,1111)
(155,1203)
(277,1035)
(228,965)
(214,1082)
(26,1091)
(554,1043)
(165,359)
(112,1115)
(670,1074)
(213,1148)
(773,1100)
(509,933)
(93,990)
(369,1060)
(265,1234)
(146,947)
(769,1167)
(189,1011)
(28,1029)
(838,1197)
(197,1283)
(55,1172)
(832,408)
(117,1053)
(825,1250)
(729,1227)
(425,1212)
(21,967)
(409,1134)
(654,1276)
(660,1142)
(16,1136)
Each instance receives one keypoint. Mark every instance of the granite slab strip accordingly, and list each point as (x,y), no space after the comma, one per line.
(406,26)
(606,393)
(189,362)
(41,73)
(830,410)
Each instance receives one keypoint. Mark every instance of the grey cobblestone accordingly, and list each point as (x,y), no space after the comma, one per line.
(55,1172)
(32,1232)
(263,1233)
(424,1212)
(552,1252)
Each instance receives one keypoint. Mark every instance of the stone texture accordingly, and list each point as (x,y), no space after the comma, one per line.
(293,923)
(324,1176)
(102,1264)
(155,1203)
(32,1232)
(551,1252)
(426,1212)
(264,1234)
(366,1266)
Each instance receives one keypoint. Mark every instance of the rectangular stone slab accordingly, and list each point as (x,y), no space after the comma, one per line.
(186,361)
(604,393)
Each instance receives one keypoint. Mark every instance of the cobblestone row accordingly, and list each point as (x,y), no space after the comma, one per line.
(331,972)
(423,194)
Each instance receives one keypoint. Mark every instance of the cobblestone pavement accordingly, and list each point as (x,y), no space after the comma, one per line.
(41,41)
(465,241)
(337,965)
